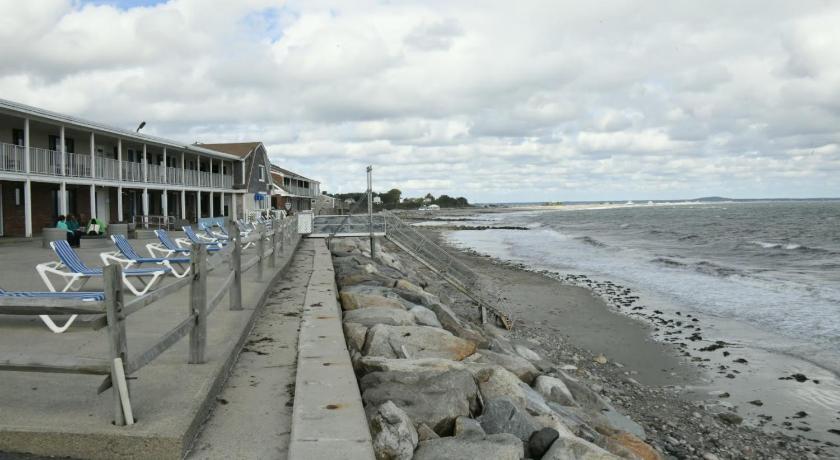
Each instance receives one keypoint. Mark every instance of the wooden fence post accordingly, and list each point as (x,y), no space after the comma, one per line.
(236,267)
(116,333)
(198,303)
(283,236)
(260,251)
(272,262)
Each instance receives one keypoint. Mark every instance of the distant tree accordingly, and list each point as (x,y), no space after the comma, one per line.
(391,198)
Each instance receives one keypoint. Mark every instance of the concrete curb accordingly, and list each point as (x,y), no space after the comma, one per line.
(328,419)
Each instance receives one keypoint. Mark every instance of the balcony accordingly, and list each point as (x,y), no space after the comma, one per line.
(48,162)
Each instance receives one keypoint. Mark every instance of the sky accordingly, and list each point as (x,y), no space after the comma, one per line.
(497,101)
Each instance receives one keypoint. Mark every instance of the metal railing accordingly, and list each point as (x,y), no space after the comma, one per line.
(107,168)
(204,179)
(174,176)
(132,172)
(447,265)
(12,158)
(191,177)
(281,238)
(164,222)
(77,165)
(157,174)
(356,225)
(44,161)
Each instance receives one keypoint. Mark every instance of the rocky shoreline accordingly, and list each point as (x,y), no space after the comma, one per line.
(437,385)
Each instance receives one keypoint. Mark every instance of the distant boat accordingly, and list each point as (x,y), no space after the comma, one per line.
(629,203)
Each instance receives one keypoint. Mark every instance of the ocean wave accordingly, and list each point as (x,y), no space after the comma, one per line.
(790,247)
(668,262)
(689,237)
(710,268)
(591,241)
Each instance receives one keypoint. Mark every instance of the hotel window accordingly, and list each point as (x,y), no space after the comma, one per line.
(262,173)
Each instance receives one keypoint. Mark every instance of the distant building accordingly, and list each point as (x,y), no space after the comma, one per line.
(52,164)
(256,179)
(301,193)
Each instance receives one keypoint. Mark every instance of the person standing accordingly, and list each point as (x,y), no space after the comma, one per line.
(73,237)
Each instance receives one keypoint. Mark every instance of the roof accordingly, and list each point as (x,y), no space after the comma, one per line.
(43,114)
(276,170)
(240,149)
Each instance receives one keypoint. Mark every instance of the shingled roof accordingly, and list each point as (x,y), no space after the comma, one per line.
(240,149)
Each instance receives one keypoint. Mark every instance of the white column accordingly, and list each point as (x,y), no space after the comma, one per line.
(27,197)
(233,213)
(183,177)
(145,202)
(212,211)
(197,205)
(183,203)
(119,203)
(165,169)
(164,203)
(210,168)
(119,170)
(62,199)
(92,157)
(222,204)
(26,158)
(63,150)
(145,166)
(92,201)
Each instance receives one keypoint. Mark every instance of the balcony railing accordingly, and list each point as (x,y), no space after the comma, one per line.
(48,162)
(77,165)
(12,158)
(44,161)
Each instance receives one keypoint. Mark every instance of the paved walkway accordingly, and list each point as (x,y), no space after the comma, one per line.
(252,416)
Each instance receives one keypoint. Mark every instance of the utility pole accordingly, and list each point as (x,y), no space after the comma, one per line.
(370,210)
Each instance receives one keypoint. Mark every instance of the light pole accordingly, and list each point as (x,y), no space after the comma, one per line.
(370,210)
(142,124)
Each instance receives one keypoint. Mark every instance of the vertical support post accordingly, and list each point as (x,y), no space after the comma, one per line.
(164,202)
(197,205)
(27,207)
(146,208)
(92,156)
(370,211)
(212,210)
(198,303)
(282,236)
(92,201)
(145,165)
(27,159)
(272,262)
(63,150)
(233,211)
(119,201)
(119,164)
(62,198)
(236,267)
(260,251)
(165,169)
(183,204)
(116,332)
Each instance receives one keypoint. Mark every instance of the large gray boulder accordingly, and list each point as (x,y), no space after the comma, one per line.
(494,382)
(355,334)
(415,342)
(502,415)
(424,316)
(360,296)
(501,446)
(369,364)
(373,316)
(393,433)
(450,321)
(521,367)
(433,398)
(573,448)
(554,390)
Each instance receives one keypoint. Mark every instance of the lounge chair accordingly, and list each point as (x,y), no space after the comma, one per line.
(71,268)
(217,235)
(83,296)
(167,247)
(128,257)
(193,238)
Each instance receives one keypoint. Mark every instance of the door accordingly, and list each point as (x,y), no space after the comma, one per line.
(103,205)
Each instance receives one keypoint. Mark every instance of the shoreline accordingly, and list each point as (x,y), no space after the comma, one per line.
(633,347)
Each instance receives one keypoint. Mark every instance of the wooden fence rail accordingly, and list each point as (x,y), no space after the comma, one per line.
(114,310)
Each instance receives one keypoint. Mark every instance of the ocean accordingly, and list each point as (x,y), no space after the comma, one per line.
(770,267)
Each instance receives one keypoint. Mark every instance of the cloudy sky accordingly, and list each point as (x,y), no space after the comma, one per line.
(493,100)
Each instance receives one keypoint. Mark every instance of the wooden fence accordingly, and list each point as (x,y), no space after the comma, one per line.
(272,240)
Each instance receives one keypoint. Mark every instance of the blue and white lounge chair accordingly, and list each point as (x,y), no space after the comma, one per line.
(83,296)
(128,257)
(71,268)
(193,238)
(217,235)
(167,247)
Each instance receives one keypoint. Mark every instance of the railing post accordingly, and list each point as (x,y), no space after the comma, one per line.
(283,236)
(198,303)
(260,251)
(236,267)
(118,347)
(272,262)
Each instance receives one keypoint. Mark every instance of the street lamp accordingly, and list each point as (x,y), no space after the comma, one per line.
(142,124)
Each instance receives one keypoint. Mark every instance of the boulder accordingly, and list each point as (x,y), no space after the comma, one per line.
(433,398)
(354,334)
(572,448)
(369,364)
(541,441)
(527,353)
(415,342)
(583,395)
(625,445)
(553,389)
(407,285)
(453,324)
(555,422)
(494,382)
(497,447)
(391,261)
(465,426)
(355,300)
(424,316)
(425,433)
(393,434)
(516,364)
(621,422)
(361,278)
(502,415)
(373,316)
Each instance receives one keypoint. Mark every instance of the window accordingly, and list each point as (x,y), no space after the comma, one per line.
(17,137)
(262,173)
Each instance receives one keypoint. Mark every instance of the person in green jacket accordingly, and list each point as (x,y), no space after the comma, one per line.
(73,236)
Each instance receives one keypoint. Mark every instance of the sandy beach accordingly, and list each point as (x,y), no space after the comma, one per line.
(675,396)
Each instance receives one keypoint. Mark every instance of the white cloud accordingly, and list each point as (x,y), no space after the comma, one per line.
(551,100)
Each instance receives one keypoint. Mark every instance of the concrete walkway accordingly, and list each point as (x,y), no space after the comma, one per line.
(252,417)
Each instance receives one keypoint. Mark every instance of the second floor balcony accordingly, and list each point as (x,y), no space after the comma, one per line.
(49,163)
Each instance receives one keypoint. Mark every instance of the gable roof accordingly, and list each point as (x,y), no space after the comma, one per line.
(240,149)
(281,172)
